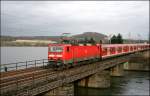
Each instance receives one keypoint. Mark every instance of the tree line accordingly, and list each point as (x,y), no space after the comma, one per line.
(116,39)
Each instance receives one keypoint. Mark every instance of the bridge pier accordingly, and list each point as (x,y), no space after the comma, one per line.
(117,70)
(139,62)
(98,80)
(66,90)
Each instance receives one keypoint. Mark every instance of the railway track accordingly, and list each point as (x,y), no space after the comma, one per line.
(21,79)
(21,71)
(13,78)
(34,79)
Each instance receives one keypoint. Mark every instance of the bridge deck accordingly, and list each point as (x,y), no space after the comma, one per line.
(37,80)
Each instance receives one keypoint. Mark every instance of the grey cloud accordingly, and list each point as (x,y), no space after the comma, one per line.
(53,18)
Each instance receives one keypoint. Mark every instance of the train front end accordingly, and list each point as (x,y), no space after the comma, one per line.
(55,55)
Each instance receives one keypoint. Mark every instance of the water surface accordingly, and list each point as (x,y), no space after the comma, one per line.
(20,54)
(131,84)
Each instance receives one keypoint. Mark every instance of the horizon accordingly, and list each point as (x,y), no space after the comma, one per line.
(72,35)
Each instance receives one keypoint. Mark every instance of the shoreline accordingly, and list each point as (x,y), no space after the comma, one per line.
(23,44)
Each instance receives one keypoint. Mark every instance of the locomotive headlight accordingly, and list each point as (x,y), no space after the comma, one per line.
(59,55)
(51,55)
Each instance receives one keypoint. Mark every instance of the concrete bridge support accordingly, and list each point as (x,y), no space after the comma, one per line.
(139,62)
(66,90)
(98,80)
(117,70)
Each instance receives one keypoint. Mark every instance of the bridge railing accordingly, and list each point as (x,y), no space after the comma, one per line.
(23,65)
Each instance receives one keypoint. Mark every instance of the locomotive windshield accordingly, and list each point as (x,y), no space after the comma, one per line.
(55,48)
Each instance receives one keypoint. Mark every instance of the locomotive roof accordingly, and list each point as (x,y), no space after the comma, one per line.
(59,44)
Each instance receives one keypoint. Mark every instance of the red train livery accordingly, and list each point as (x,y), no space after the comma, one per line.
(66,55)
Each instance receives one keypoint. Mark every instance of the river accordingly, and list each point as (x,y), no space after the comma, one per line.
(132,83)
(21,54)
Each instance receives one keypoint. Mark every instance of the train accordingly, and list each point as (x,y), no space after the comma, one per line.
(68,55)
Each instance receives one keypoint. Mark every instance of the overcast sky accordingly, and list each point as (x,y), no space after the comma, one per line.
(46,18)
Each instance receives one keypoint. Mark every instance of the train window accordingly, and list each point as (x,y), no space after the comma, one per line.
(104,49)
(68,49)
(131,48)
(112,49)
(124,48)
(134,47)
(56,49)
(119,49)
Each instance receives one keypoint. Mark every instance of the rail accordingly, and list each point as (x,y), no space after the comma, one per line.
(23,65)
(34,80)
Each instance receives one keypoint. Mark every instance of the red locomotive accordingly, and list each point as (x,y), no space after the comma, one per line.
(66,55)
(69,55)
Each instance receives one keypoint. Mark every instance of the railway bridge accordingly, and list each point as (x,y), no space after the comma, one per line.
(33,77)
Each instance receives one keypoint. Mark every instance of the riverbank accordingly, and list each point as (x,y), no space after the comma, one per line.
(39,43)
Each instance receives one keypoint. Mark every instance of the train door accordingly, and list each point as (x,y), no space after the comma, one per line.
(119,49)
(100,51)
(134,48)
(68,55)
(104,51)
(112,50)
(75,55)
(131,48)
